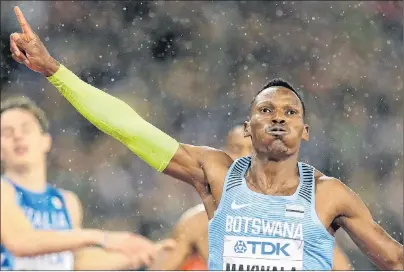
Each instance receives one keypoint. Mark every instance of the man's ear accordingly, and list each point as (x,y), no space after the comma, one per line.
(247,129)
(47,142)
(305,135)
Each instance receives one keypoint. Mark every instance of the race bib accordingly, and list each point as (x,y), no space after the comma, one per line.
(262,254)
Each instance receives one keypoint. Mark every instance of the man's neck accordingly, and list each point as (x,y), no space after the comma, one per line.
(32,178)
(271,176)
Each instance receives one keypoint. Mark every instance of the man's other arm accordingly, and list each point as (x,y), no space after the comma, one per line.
(356,220)
(341,262)
(183,233)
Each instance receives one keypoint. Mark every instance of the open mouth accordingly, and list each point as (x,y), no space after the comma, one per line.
(276,130)
(20,150)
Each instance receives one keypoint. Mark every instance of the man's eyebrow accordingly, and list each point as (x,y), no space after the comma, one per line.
(6,127)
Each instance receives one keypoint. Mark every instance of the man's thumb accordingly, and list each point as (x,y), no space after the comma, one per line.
(19,40)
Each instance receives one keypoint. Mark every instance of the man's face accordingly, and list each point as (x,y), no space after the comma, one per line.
(276,126)
(237,145)
(22,141)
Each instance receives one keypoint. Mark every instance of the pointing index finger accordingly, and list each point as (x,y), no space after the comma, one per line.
(26,28)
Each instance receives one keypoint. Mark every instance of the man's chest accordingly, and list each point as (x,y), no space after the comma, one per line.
(51,219)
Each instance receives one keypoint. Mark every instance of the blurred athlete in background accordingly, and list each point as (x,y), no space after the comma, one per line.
(41,225)
(191,230)
(267,211)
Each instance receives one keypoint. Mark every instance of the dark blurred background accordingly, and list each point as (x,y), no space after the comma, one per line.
(191,69)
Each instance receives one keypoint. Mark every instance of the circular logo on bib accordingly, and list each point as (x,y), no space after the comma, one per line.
(240,247)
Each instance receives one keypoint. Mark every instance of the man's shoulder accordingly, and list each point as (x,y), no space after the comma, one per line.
(331,184)
(6,187)
(206,156)
(207,152)
(321,178)
(71,199)
(216,155)
(215,163)
(73,206)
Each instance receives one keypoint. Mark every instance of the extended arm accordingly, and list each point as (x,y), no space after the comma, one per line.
(93,258)
(116,118)
(108,113)
(356,220)
(21,239)
(140,251)
(99,259)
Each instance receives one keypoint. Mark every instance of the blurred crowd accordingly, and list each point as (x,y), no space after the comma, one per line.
(192,68)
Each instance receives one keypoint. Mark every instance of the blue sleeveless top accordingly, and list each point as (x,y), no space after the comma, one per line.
(253,231)
(45,211)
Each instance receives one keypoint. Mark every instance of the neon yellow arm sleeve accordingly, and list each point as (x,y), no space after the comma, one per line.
(116,118)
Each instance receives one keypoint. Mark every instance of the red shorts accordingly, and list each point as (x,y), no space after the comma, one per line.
(194,262)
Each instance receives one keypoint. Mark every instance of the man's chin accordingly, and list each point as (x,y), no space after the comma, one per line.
(278,149)
(21,163)
(278,145)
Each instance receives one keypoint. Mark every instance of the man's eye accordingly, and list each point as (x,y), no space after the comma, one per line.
(7,133)
(291,112)
(266,110)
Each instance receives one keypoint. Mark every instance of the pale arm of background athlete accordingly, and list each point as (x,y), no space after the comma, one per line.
(93,258)
(21,239)
(356,220)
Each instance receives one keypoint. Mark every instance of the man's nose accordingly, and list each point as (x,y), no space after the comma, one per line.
(277,120)
(18,134)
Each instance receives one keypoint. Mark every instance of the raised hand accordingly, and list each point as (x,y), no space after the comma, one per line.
(27,48)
